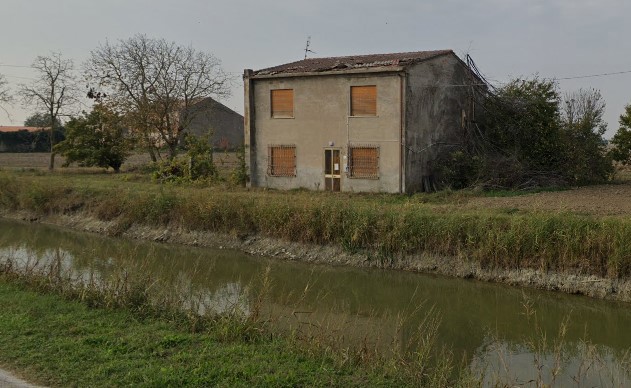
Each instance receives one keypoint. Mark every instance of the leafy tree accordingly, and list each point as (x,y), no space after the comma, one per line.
(522,140)
(583,127)
(41,120)
(621,151)
(153,83)
(53,90)
(95,139)
(25,141)
(531,137)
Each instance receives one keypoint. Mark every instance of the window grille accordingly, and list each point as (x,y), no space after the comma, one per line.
(281,160)
(364,100)
(363,162)
(282,103)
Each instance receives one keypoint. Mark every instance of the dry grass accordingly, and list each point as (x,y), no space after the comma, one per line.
(389,226)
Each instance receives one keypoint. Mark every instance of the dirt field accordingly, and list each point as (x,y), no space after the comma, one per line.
(40,160)
(603,200)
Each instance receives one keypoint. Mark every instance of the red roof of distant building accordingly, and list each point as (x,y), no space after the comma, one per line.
(6,128)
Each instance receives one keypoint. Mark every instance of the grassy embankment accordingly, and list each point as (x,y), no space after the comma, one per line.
(386,225)
(49,331)
(59,329)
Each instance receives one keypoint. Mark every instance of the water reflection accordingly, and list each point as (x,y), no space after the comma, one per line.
(496,326)
(578,364)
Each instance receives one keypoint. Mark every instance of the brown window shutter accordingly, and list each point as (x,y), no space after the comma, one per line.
(364,162)
(283,103)
(282,160)
(364,100)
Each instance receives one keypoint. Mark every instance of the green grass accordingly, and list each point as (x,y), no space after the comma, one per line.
(386,226)
(58,342)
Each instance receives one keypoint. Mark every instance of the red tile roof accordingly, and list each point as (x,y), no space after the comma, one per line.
(352,62)
(5,128)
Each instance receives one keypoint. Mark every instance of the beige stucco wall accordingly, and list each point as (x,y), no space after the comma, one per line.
(321,120)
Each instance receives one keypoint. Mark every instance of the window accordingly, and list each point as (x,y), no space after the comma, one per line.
(281,160)
(282,103)
(364,100)
(363,162)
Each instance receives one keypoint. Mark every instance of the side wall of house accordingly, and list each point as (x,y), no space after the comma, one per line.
(322,120)
(436,99)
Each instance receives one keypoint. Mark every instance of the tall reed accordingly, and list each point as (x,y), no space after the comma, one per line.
(384,228)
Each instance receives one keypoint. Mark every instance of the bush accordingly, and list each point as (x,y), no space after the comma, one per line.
(458,170)
(196,165)
(531,137)
(621,151)
(239,176)
(171,170)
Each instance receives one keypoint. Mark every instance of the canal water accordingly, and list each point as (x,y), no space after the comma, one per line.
(503,332)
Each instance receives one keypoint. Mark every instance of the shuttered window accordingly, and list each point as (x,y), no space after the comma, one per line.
(364,162)
(282,103)
(364,100)
(281,160)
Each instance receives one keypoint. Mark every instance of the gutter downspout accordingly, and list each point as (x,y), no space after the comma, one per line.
(401,130)
(249,138)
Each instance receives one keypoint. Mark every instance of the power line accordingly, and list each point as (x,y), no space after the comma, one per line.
(6,65)
(594,75)
(16,76)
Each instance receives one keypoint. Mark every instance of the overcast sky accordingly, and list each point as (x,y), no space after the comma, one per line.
(506,38)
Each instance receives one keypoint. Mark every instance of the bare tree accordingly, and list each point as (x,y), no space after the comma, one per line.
(54,90)
(5,94)
(584,108)
(583,125)
(153,83)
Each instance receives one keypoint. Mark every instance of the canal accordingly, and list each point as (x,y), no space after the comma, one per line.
(502,332)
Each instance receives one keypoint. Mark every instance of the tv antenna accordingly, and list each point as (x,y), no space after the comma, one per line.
(307,50)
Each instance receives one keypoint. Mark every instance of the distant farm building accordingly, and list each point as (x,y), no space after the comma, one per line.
(225,125)
(26,139)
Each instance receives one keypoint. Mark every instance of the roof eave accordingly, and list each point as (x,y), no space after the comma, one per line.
(371,70)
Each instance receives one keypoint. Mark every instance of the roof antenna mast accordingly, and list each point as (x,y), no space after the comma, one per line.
(307,47)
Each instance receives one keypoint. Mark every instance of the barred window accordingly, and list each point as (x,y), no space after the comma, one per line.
(364,100)
(282,103)
(363,162)
(281,160)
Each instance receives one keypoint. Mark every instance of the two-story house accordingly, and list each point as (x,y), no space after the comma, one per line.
(373,123)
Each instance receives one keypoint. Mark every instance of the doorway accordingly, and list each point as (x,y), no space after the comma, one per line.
(332,168)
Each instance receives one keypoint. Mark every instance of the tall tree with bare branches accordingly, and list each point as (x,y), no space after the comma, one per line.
(54,91)
(583,126)
(5,94)
(153,83)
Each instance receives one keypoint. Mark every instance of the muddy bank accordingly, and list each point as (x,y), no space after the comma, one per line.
(589,285)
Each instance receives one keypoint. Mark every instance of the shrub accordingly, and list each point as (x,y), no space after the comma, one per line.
(196,165)
(531,137)
(239,176)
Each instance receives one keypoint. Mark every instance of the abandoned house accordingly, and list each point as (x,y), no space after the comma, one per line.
(369,123)
(224,124)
